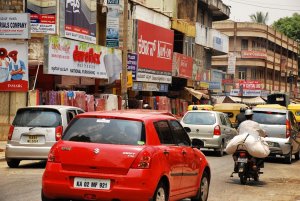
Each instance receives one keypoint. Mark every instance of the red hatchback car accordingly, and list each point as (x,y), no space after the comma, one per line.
(126,155)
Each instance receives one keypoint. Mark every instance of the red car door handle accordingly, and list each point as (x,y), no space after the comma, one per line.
(166,152)
(183,152)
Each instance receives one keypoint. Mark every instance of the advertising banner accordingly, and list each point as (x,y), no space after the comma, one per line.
(112,23)
(182,66)
(247,92)
(216,75)
(74,58)
(155,52)
(248,84)
(132,64)
(214,86)
(14,66)
(78,20)
(42,16)
(14,25)
(231,63)
(145,86)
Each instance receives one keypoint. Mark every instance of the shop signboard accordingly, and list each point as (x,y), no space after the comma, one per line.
(216,75)
(214,86)
(132,64)
(252,54)
(155,52)
(146,86)
(112,23)
(78,20)
(182,66)
(74,58)
(42,16)
(227,81)
(249,84)
(204,85)
(14,26)
(246,92)
(14,66)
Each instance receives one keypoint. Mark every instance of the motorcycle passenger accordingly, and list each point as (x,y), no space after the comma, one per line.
(252,128)
(241,116)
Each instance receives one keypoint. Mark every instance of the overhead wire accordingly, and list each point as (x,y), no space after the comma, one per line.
(274,8)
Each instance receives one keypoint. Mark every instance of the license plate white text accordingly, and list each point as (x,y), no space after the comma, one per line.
(91,183)
(242,160)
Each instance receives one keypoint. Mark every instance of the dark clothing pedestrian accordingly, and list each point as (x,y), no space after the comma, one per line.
(240,118)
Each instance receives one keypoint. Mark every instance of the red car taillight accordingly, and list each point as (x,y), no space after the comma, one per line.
(10,133)
(217,130)
(53,155)
(288,129)
(142,161)
(58,132)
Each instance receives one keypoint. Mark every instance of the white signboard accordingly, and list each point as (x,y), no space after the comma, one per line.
(231,63)
(246,92)
(74,58)
(15,25)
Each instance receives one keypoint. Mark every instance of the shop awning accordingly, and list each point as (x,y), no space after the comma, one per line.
(248,100)
(188,28)
(196,93)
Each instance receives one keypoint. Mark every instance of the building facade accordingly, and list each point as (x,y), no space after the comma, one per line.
(258,55)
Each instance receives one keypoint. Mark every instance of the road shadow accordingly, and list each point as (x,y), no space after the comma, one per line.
(208,152)
(236,181)
(273,159)
(33,165)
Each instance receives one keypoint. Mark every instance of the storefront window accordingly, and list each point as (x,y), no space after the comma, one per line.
(242,75)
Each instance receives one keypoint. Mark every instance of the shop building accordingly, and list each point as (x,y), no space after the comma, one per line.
(260,61)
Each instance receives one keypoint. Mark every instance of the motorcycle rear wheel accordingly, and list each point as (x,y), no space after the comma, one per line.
(243,179)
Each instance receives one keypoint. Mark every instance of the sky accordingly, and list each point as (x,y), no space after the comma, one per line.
(241,9)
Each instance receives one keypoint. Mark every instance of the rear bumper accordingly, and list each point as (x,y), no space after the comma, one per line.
(280,146)
(26,152)
(58,184)
(211,143)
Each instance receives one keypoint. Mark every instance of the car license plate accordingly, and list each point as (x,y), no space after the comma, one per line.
(32,139)
(242,160)
(91,183)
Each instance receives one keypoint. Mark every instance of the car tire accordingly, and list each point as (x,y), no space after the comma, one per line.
(13,163)
(288,158)
(161,192)
(203,190)
(220,152)
(297,155)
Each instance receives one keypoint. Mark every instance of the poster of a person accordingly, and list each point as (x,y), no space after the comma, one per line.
(16,66)
(4,72)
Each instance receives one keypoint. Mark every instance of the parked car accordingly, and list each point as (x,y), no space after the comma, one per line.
(34,130)
(126,155)
(214,128)
(282,130)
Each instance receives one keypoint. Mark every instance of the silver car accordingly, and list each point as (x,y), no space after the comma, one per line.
(214,128)
(34,130)
(282,131)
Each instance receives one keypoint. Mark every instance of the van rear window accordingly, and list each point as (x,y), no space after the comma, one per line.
(272,118)
(37,117)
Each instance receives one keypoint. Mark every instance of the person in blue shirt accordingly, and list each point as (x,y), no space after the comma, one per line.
(16,67)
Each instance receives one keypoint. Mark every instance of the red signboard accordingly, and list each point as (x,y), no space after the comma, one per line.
(227,81)
(252,54)
(248,84)
(182,65)
(155,47)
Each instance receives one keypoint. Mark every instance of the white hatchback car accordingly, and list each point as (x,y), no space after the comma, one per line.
(214,128)
(34,130)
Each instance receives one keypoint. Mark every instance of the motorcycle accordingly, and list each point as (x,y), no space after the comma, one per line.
(246,166)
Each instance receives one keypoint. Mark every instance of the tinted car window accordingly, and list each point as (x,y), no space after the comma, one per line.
(180,135)
(272,118)
(223,121)
(292,119)
(37,117)
(199,118)
(106,131)
(164,133)
(229,114)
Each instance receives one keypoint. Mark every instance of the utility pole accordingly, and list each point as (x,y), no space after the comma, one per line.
(124,57)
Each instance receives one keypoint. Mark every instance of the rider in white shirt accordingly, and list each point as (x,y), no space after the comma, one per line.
(249,126)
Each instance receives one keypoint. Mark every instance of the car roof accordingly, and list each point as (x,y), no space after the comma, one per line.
(58,107)
(229,106)
(210,111)
(270,110)
(137,114)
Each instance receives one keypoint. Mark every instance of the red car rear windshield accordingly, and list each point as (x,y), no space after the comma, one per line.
(106,131)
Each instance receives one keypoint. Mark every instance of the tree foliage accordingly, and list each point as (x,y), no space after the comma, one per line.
(260,17)
(290,26)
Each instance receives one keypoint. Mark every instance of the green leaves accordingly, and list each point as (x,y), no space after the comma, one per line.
(290,26)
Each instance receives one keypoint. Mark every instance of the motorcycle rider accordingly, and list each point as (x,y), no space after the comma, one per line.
(241,116)
(252,128)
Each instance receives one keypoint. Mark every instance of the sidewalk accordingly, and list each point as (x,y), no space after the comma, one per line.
(2,150)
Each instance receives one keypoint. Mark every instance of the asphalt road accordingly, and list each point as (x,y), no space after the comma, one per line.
(280,182)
